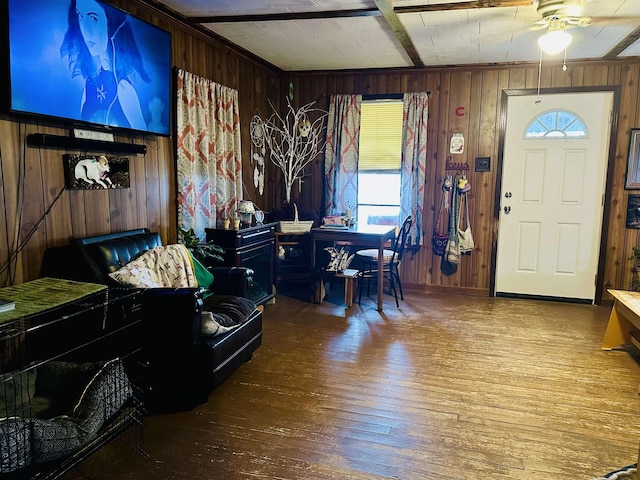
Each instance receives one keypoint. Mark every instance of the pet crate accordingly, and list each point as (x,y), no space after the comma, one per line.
(60,404)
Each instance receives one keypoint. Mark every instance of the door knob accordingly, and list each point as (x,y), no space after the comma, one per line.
(507,195)
(507,209)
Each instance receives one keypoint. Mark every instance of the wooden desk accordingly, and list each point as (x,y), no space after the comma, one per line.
(360,235)
(624,322)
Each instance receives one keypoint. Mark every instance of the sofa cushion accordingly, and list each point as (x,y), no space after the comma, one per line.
(222,313)
(229,310)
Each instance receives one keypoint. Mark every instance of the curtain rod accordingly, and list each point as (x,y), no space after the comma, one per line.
(377,96)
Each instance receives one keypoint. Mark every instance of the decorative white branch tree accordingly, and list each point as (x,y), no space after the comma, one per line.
(294,140)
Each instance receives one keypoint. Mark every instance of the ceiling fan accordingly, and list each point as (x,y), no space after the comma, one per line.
(573,13)
(557,16)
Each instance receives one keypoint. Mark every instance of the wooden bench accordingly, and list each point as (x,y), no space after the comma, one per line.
(624,321)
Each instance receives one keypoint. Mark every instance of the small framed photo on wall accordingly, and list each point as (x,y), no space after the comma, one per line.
(95,172)
(633,163)
(633,211)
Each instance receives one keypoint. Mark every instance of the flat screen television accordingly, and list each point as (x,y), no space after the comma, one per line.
(90,63)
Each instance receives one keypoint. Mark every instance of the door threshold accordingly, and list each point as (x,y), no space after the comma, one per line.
(545,298)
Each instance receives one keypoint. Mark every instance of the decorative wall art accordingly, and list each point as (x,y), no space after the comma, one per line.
(633,211)
(633,163)
(96,172)
(292,140)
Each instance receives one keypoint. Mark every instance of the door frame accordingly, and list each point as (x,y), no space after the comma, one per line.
(613,135)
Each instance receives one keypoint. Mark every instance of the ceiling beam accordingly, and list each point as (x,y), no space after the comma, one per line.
(272,17)
(401,34)
(360,12)
(438,7)
(623,44)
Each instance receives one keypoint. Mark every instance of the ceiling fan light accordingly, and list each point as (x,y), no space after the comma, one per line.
(554,41)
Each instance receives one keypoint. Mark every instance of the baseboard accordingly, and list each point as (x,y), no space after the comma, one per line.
(454,290)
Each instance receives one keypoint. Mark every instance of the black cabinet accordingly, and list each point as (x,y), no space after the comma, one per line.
(293,258)
(250,247)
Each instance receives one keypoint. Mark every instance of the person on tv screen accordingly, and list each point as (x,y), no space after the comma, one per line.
(100,45)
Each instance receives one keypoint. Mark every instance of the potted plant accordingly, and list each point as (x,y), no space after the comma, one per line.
(235,220)
(206,253)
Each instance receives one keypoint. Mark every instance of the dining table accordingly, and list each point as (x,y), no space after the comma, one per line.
(359,235)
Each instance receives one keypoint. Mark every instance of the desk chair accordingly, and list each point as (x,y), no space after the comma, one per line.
(368,261)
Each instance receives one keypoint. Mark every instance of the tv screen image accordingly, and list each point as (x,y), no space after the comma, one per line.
(89,62)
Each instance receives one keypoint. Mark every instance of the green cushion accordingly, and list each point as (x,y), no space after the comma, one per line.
(203,276)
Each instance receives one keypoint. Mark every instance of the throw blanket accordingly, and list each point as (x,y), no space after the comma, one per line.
(164,266)
(169,266)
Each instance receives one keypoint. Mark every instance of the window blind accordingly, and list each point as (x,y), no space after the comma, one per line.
(380,135)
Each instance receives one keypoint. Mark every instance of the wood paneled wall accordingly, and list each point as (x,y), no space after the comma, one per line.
(479,90)
(38,213)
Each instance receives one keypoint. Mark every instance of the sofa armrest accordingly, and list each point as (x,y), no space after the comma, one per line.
(231,280)
(171,318)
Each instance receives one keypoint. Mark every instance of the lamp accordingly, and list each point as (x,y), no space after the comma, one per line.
(246,209)
(556,39)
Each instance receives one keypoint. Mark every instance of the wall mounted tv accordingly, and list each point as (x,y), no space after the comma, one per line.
(87,62)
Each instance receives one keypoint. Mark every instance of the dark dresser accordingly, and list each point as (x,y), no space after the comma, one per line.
(251,247)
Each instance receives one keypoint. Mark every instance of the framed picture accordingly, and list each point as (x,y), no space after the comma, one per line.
(96,172)
(633,211)
(633,163)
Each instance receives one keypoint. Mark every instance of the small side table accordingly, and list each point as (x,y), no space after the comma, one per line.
(350,276)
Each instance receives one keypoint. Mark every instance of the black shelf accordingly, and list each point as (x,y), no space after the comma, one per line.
(293,259)
(83,144)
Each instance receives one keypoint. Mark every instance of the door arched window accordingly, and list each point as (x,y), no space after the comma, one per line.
(556,123)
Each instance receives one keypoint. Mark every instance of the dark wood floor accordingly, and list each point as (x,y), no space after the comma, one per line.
(445,387)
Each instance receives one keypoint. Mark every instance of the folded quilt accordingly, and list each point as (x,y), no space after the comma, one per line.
(163,266)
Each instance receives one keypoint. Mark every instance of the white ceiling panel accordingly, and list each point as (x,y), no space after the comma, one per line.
(318,44)
(452,36)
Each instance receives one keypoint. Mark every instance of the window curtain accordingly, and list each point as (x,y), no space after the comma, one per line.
(414,161)
(341,153)
(208,157)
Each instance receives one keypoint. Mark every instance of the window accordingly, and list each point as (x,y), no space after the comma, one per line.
(379,162)
(556,123)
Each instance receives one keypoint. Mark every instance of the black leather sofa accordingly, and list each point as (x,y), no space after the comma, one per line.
(183,367)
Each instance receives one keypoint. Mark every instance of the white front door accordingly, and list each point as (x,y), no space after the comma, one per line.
(552,194)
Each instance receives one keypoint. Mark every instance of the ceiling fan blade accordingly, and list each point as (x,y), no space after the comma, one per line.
(609,21)
(537,25)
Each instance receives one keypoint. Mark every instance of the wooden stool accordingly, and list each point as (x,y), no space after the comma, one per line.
(350,276)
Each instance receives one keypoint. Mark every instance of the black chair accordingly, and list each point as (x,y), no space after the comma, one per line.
(368,261)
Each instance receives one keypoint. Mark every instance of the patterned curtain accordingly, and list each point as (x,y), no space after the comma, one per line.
(341,153)
(414,161)
(209,161)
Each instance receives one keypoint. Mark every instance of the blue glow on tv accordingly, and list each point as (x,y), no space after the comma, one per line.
(90,63)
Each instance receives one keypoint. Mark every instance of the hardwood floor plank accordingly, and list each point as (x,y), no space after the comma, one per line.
(444,387)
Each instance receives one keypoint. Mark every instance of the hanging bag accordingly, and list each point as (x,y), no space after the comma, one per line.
(452,253)
(465,236)
(440,239)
